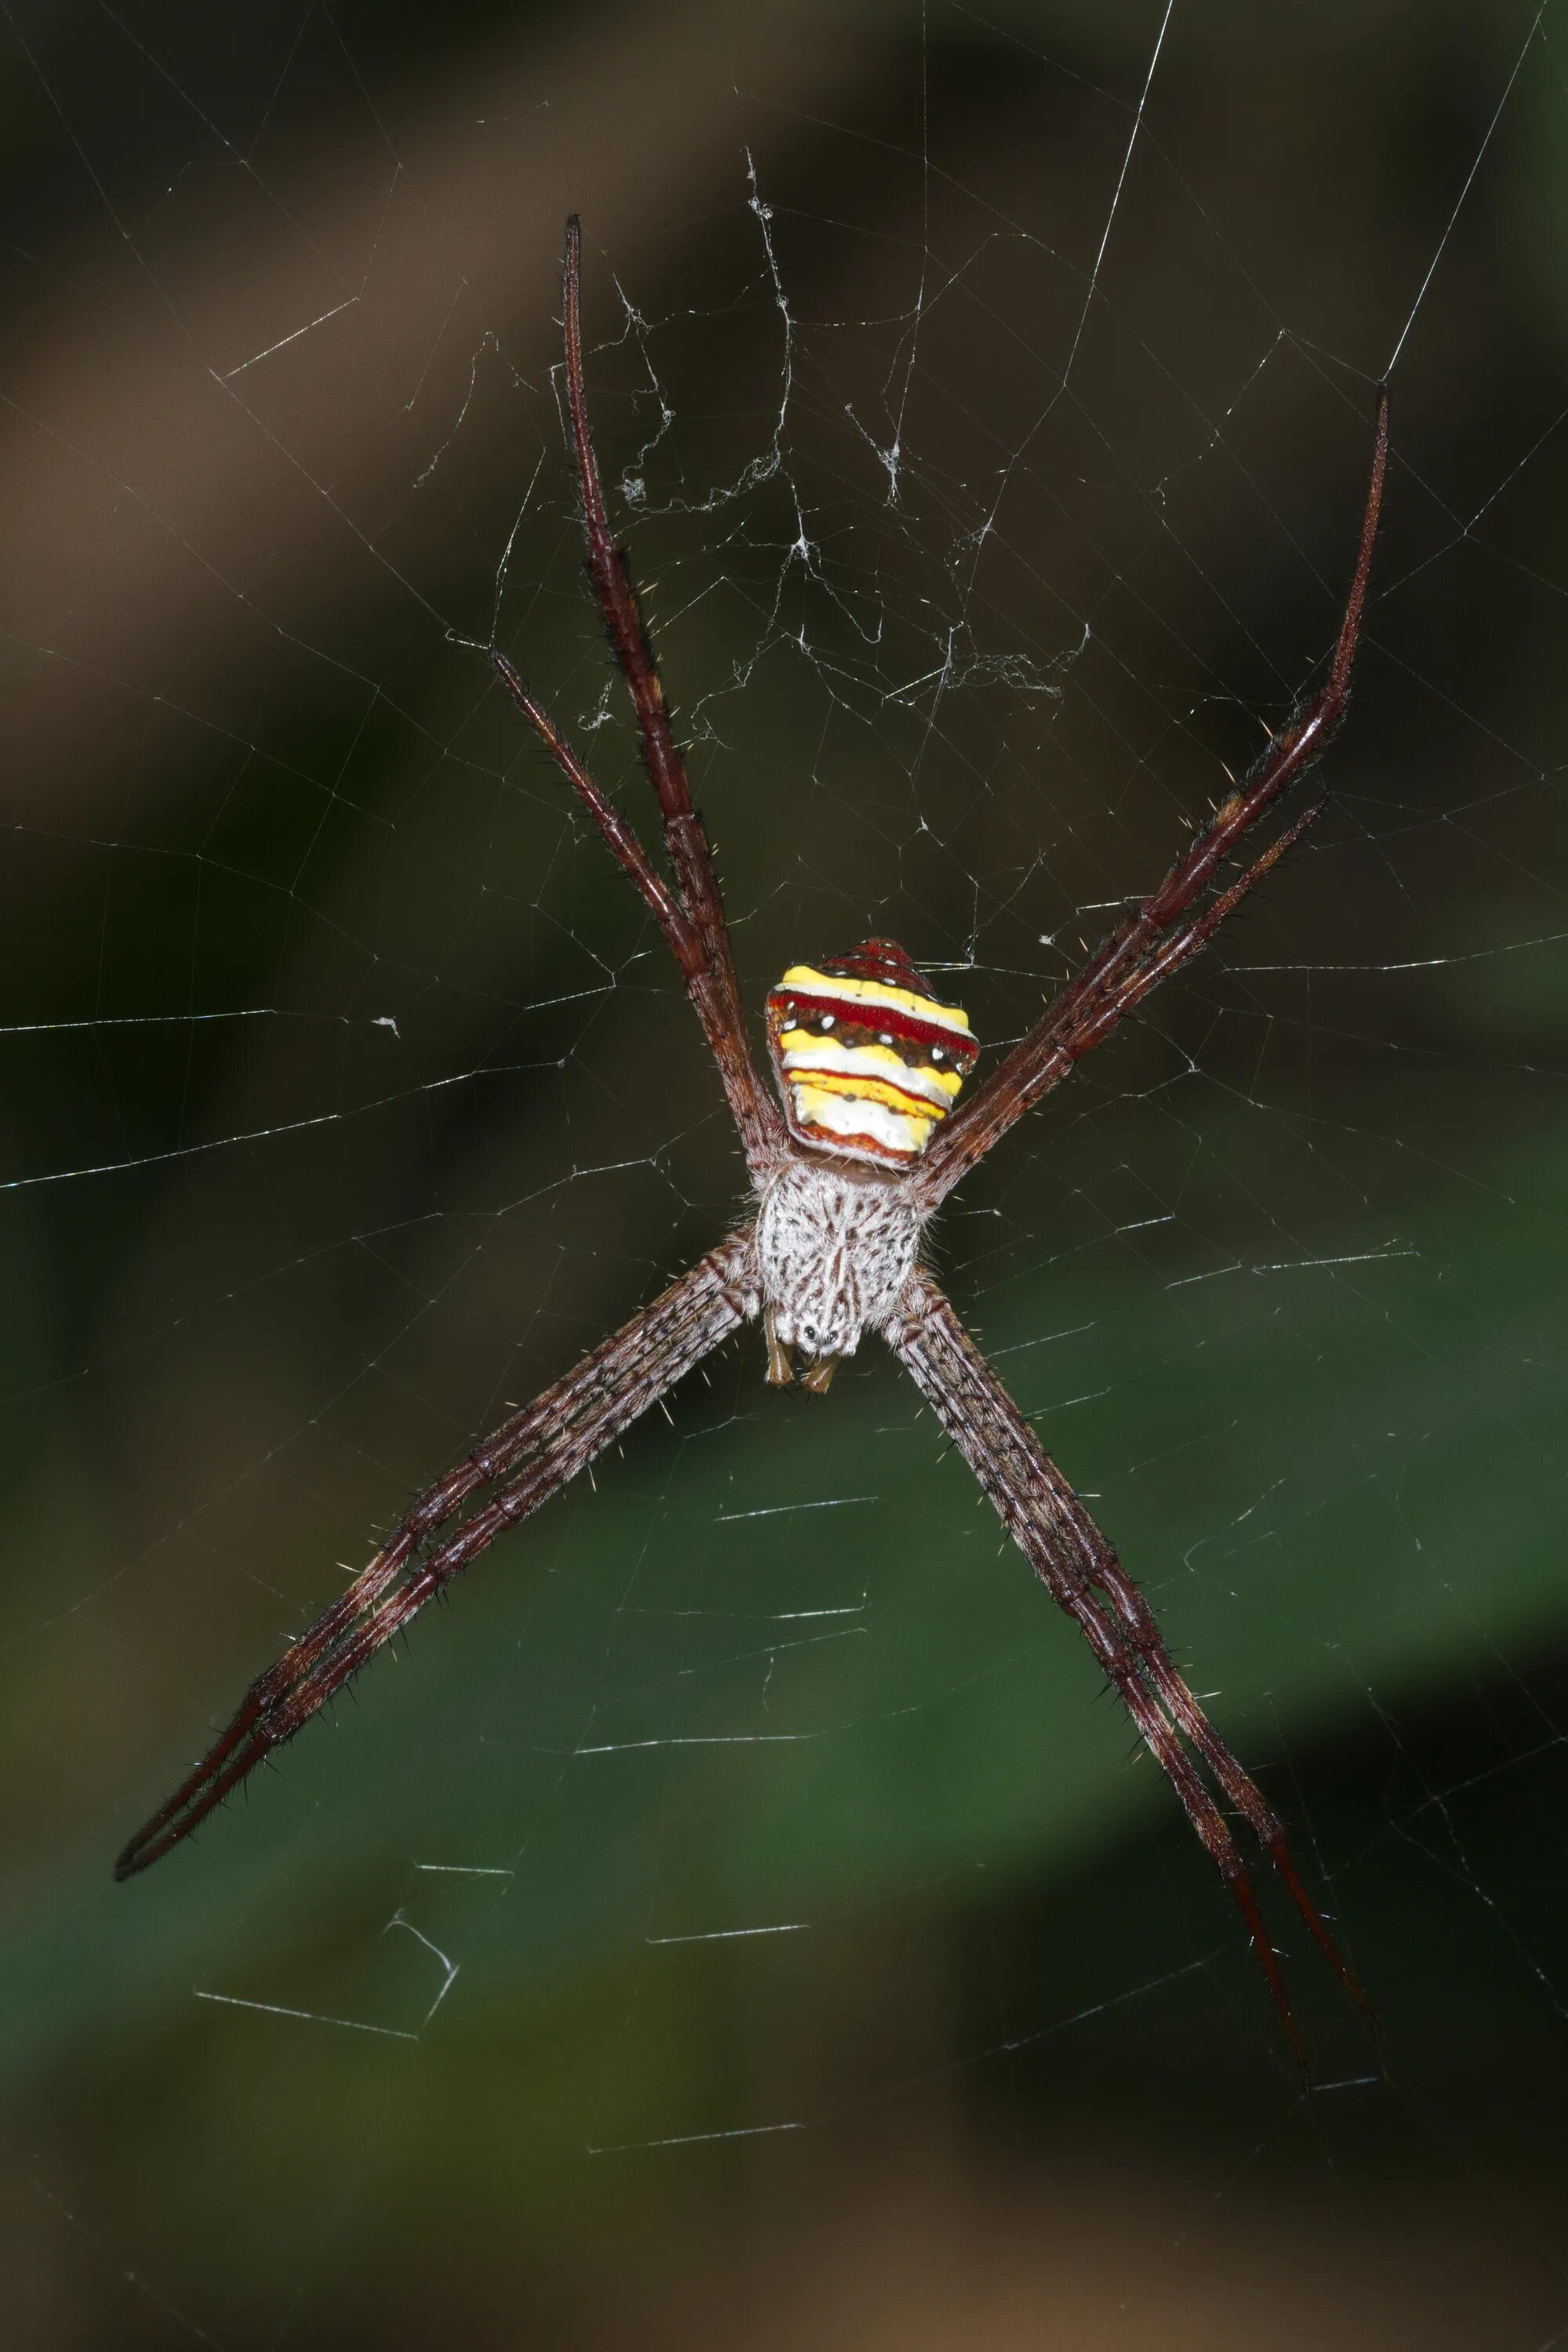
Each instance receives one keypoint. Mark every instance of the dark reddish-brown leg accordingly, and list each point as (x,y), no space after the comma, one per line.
(1082,1574)
(1171,926)
(693,919)
(536,1452)
(729,1049)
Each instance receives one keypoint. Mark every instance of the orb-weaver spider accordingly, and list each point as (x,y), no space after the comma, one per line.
(847,1174)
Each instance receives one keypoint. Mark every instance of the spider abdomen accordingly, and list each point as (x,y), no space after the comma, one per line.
(834,1251)
(868,1060)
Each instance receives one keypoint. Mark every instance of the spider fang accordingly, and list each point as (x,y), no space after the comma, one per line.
(781,1358)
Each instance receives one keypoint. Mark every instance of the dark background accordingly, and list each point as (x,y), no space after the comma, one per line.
(347,1096)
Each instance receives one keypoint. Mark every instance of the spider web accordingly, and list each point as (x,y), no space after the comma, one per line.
(986,396)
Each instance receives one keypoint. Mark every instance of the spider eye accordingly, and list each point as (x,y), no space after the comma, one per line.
(884,1039)
(936,1053)
(826,1022)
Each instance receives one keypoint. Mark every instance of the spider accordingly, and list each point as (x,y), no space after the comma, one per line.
(847,1169)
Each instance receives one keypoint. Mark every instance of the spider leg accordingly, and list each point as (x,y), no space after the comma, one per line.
(736,1068)
(624,845)
(1154,1728)
(535,1453)
(1138,1625)
(1155,941)
(693,918)
(1083,1576)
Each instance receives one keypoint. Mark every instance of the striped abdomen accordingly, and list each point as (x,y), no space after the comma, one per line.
(868,1061)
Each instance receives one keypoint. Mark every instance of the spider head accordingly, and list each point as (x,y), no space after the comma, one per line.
(868,1060)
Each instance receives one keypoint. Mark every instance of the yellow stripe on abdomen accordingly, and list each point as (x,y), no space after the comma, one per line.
(863,1087)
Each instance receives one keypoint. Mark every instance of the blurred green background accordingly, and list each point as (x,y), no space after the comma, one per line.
(990,413)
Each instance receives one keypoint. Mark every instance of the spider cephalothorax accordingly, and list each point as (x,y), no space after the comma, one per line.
(844,1178)
(836,1248)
